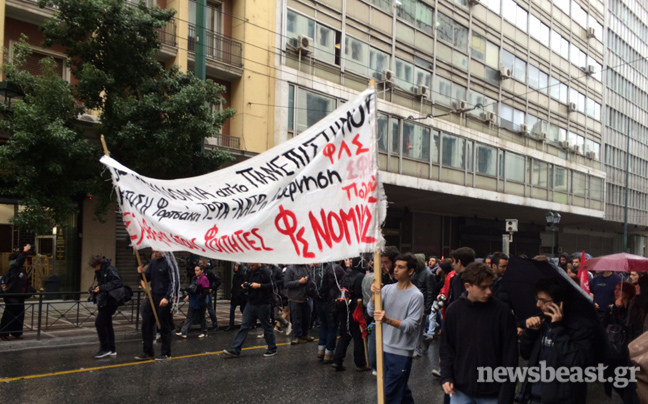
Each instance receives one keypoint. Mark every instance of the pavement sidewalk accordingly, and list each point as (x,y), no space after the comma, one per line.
(68,323)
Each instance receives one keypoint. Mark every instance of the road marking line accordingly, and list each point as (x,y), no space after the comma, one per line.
(121,365)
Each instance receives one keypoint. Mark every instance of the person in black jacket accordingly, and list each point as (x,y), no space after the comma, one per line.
(349,328)
(478,332)
(106,295)
(563,337)
(14,281)
(214,283)
(424,280)
(161,278)
(239,295)
(259,285)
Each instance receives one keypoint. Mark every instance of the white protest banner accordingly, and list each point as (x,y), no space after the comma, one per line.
(314,198)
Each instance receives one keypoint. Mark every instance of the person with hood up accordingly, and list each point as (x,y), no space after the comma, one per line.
(198,299)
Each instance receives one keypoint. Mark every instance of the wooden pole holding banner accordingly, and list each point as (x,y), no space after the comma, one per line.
(139,260)
(378,330)
(378,306)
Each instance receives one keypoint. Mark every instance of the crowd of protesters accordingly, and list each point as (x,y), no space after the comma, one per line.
(463,301)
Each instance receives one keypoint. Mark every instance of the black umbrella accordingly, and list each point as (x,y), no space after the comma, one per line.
(519,281)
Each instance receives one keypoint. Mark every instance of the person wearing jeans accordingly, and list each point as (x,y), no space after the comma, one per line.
(259,286)
(295,280)
(401,320)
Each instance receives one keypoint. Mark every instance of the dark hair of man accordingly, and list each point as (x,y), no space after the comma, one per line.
(409,258)
(390,252)
(96,260)
(476,273)
(435,258)
(497,257)
(464,254)
(556,288)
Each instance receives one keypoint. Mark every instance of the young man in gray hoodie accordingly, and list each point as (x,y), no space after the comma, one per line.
(402,314)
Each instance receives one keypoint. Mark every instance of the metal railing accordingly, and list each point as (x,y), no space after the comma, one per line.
(167,33)
(231,142)
(42,315)
(218,47)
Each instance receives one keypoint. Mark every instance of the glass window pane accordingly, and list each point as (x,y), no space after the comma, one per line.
(578,183)
(508,10)
(542,81)
(492,55)
(383,130)
(519,70)
(521,18)
(316,108)
(403,74)
(424,17)
(478,47)
(539,174)
(460,37)
(291,107)
(486,160)
(434,149)
(469,159)
(394,136)
(596,188)
(378,61)
(514,167)
(534,80)
(554,89)
(416,141)
(518,119)
(325,44)
(443,88)
(560,179)
(422,77)
(296,25)
(445,28)
(406,10)
(453,151)
(357,55)
(508,60)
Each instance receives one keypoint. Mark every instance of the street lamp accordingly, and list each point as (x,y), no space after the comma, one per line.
(553,218)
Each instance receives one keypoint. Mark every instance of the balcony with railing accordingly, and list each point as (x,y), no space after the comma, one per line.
(224,141)
(169,40)
(224,55)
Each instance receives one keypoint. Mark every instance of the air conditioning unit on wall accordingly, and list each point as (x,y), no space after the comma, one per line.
(305,44)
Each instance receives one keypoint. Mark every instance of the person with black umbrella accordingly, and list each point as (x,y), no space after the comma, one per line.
(566,334)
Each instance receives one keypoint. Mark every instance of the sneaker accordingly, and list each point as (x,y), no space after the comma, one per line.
(307,338)
(328,359)
(113,353)
(289,329)
(320,354)
(231,354)
(163,358)
(260,336)
(436,373)
(203,335)
(270,352)
(295,341)
(144,357)
(181,335)
(102,354)
(279,330)
(374,372)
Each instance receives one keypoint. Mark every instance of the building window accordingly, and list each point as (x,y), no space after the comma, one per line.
(517,65)
(538,30)
(578,183)
(539,174)
(514,167)
(452,32)
(453,150)
(324,37)
(486,160)
(515,14)
(363,59)
(312,108)
(416,141)
(596,188)
(383,132)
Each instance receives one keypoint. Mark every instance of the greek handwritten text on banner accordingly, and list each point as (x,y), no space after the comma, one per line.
(314,198)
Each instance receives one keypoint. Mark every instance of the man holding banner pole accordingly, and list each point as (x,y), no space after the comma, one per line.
(404,304)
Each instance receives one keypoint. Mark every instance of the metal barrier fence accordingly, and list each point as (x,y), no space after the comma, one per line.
(43,314)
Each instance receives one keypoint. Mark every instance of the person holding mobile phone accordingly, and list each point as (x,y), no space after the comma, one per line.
(561,337)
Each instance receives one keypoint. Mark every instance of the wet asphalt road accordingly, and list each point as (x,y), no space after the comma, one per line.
(199,372)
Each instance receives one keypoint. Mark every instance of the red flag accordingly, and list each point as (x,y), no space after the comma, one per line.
(358,316)
(583,276)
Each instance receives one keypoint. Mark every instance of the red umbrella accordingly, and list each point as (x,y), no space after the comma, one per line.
(621,262)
